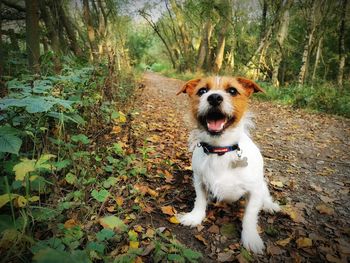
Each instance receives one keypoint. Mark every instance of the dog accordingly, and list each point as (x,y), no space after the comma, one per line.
(226,163)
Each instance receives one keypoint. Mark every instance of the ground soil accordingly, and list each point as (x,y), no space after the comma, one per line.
(307,165)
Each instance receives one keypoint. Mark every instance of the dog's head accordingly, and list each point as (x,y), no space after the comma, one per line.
(218,103)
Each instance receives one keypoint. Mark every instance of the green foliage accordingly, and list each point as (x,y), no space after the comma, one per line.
(323,97)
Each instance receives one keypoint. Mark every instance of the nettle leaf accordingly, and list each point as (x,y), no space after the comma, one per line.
(111,181)
(9,142)
(42,163)
(101,195)
(80,138)
(23,168)
(37,104)
(42,86)
(71,178)
(105,234)
(191,254)
(100,248)
(76,118)
(113,222)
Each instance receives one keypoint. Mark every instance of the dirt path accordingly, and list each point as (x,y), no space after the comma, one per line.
(307,163)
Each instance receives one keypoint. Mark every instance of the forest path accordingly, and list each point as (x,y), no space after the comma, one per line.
(307,164)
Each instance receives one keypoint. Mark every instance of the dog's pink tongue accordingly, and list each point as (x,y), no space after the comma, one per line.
(215,125)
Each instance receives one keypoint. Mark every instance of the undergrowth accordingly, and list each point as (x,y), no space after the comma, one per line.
(322,97)
(68,171)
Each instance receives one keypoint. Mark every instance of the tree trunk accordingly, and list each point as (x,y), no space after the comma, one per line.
(204,46)
(32,35)
(220,48)
(281,36)
(1,56)
(317,59)
(52,33)
(308,45)
(90,30)
(263,19)
(13,38)
(69,29)
(342,54)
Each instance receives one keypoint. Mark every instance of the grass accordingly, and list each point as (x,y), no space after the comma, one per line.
(322,97)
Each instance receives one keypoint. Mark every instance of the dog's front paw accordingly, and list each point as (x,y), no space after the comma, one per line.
(252,241)
(271,207)
(191,219)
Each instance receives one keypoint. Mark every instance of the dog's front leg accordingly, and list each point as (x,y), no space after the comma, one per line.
(196,216)
(250,236)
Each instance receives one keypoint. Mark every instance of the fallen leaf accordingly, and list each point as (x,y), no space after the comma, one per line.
(284,242)
(119,200)
(151,192)
(277,183)
(149,233)
(134,244)
(148,249)
(304,242)
(273,250)
(168,210)
(202,239)
(228,230)
(333,259)
(168,177)
(113,222)
(214,229)
(324,209)
(70,223)
(116,129)
(294,213)
(138,228)
(110,208)
(174,220)
(226,256)
(5,198)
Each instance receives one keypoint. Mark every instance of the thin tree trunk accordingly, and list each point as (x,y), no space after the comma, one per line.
(32,35)
(317,59)
(220,48)
(52,33)
(263,19)
(342,54)
(281,36)
(204,46)
(90,30)
(13,38)
(69,29)
(1,55)
(307,46)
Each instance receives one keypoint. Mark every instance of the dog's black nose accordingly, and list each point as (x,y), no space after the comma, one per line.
(215,99)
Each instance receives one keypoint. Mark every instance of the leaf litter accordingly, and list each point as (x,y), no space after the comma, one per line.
(306,162)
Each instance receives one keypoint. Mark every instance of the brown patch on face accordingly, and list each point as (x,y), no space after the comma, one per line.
(239,100)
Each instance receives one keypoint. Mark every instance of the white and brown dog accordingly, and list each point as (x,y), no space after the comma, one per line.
(225,161)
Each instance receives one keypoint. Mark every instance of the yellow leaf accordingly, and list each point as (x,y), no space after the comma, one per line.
(5,198)
(174,220)
(122,117)
(284,242)
(134,244)
(21,169)
(70,223)
(151,192)
(277,183)
(34,198)
(304,242)
(168,210)
(138,228)
(21,201)
(294,213)
(119,200)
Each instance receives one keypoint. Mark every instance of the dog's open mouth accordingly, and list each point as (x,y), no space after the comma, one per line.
(215,121)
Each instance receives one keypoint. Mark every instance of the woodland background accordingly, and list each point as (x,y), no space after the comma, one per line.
(70,72)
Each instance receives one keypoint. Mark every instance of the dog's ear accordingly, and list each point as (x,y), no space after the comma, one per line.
(250,85)
(189,86)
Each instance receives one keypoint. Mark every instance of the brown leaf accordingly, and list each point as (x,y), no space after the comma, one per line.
(168,210)
(148,249)
(148,209)
(333,259)
(202,239)
(273,250)
(324,209)
(294,213)
(214,229)
(119,200)
(304,242)
(168,177)
(70,223)
(226,256)
(284,242)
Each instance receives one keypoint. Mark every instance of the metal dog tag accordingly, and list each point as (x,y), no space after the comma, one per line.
(240,162)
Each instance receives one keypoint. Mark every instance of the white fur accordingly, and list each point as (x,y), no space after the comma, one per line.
(215,174)
(226,107)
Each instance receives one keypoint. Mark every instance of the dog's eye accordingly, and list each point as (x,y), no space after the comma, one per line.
(233,91)
(201,91)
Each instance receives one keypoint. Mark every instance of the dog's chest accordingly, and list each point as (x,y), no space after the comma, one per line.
(219,176)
